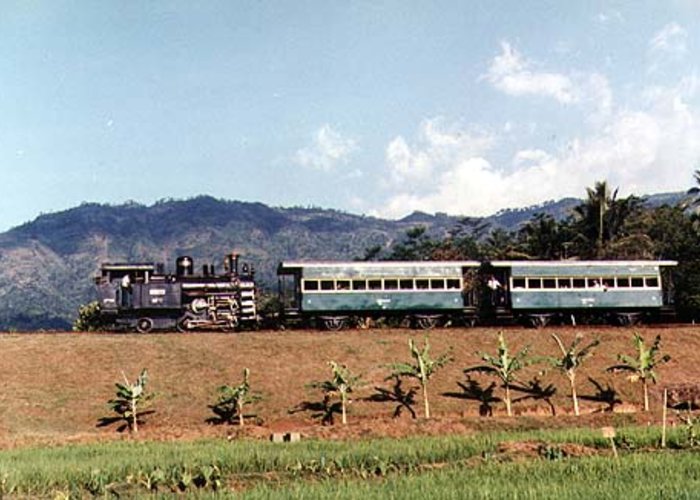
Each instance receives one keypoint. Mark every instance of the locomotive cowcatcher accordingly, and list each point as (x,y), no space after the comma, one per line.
(142,297)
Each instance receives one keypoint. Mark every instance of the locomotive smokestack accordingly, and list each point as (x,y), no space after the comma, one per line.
(184,266)
(233,263)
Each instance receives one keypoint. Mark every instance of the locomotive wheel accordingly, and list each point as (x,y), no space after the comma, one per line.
(144,325)
(183,325)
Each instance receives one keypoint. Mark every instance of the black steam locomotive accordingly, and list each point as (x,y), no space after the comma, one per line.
(142,297)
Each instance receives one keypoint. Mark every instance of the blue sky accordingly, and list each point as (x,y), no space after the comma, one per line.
(381,108)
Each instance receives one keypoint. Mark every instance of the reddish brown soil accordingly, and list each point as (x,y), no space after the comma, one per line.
(55,386)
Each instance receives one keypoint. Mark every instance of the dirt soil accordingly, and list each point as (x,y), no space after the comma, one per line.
(55,387)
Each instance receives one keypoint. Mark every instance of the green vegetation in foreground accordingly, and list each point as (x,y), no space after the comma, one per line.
(637,475)
(443,464)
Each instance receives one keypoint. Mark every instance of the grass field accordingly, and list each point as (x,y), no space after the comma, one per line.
(566,463)
(55,389)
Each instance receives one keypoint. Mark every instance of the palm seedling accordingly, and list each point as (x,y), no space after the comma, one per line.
(422,368)
(504,367)
(341,384)
(232,400)
(642,366)
(570,360)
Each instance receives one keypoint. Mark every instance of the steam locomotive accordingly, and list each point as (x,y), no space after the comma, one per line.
(142,297)
(333,295)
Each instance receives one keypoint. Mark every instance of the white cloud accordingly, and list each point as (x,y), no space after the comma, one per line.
(653,149)
(668,45)
(511,73)
(671,39)
(328,149)
(652,144)
(438,145)
(608,17)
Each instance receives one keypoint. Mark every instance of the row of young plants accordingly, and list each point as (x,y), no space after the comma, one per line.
(130,468)
(505,367)
(132,402)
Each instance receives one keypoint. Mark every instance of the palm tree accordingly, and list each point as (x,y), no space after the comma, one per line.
(591,215)
(504,366)
(692,200)
(423,368)
(570,360)
(643,365)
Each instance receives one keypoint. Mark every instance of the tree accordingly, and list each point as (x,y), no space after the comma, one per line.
(422,368)
(417,245)
(342,383)
(89,318)
(503,366)
(570,360)
(642,367)
(131,402)
(232,400)
(541,237)
(501,244)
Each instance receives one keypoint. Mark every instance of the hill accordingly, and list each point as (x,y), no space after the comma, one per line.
(46,265)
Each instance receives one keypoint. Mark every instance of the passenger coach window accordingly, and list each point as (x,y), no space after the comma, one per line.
(534,283)
(623,282)
(310,285)
(518,282)
(391,284)
(359,285)
(594,283)
(549,283)
(342,285)
(453,284)
(327,285)
(564,283)
(609,282)
(374,284)
(652,282)
(437,284)
(422,284)
(579,283)
(638,282)
(406,284)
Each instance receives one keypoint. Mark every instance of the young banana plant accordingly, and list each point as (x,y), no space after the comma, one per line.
(504,366)
(642,367)
(422,368)
(341,384)
(131,400)
(571,358)
(232,400)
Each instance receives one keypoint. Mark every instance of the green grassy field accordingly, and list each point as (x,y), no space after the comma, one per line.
(566,463)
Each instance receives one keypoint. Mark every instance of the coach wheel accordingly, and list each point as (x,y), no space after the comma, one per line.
(334,324)
(426,322)
(629,319)
(144,325)
(539,320)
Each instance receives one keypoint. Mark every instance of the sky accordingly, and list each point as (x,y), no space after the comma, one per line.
(370,107)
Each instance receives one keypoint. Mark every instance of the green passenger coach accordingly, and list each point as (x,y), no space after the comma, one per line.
(336,293)
(623,290)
